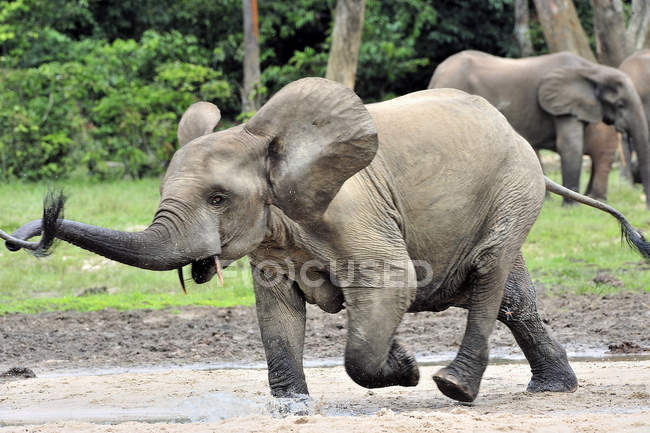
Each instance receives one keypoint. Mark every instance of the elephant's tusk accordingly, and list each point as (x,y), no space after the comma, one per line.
(619,139)
(181,279)
(218,267)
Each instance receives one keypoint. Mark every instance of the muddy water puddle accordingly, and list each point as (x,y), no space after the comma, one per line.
(443,358)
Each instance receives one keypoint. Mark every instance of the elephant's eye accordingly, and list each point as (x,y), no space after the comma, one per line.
(217,199)
(620,104)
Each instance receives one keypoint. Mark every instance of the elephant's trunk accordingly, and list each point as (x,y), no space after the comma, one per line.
(152,248)
(639,141)
(160,247)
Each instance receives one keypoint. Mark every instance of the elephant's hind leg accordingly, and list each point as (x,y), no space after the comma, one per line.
(488,268)
(547,358)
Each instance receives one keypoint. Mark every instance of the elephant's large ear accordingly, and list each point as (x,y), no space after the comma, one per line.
(318,134)
(571,91)
(199,119)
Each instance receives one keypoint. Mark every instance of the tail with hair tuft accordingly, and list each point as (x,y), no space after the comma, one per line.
(632,236)
(635,239)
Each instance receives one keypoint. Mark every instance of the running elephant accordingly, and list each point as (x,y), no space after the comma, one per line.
(548,99)
(380,209)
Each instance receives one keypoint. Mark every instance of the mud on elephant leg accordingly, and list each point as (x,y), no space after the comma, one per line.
(547,358)
(281,315)
(373,358)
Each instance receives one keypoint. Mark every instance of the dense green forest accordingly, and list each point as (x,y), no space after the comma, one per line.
(96,87)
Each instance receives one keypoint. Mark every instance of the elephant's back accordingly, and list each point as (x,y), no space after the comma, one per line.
(469,70)
(637,67)
(510,85)
(448,129)
(452,72)
(641,58)
(449,151)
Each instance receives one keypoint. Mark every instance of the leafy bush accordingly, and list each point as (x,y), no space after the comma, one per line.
(114,102)
(97,87)
(41,118)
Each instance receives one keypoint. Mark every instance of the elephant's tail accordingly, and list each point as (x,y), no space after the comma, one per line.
(633,236)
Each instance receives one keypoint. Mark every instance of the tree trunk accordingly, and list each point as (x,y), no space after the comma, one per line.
(562,28)
(522,29)
(346,41)
(609,30)
(250,99)
(638,28)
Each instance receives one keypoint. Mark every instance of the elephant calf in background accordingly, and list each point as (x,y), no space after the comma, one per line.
(380,209)
(548,99)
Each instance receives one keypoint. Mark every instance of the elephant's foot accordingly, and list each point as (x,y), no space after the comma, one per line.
(295,404)
(399,368)
(598,197)
(289,389)
(403,365)
(567,202)
(454,385)
(554,381)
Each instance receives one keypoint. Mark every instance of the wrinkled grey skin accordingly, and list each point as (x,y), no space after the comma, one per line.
(548,99)
(637,67)
(315,176)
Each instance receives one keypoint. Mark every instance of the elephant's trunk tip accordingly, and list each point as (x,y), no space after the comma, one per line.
(53,204)
(47,227)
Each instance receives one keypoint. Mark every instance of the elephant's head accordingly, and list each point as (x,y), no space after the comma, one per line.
(294,154)
(600,93)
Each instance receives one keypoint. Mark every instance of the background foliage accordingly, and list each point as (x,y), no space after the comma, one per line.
(96,87)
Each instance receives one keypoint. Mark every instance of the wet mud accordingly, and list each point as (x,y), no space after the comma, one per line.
(202,369)
(587,324)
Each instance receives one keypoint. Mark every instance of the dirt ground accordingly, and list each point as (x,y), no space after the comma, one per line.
(202,369)
(182,336)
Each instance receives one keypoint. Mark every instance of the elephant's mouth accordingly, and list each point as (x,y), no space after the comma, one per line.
(203,270)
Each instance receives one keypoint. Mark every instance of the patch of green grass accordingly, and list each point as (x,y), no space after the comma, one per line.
(569,247)
(565,251)
(132,300)
(52,283)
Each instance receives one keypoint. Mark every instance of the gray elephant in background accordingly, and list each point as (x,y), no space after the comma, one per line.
(380,209)
(637,67)
(548,99)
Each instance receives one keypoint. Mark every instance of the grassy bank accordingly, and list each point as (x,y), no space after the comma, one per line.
(579,249)
(28,284)
(576,250)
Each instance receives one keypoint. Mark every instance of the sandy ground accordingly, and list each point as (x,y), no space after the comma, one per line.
(612,397)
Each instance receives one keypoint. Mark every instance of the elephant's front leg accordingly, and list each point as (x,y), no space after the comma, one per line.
(373,358)
(281,315)
(600,167)
(627,170)
(570,144)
